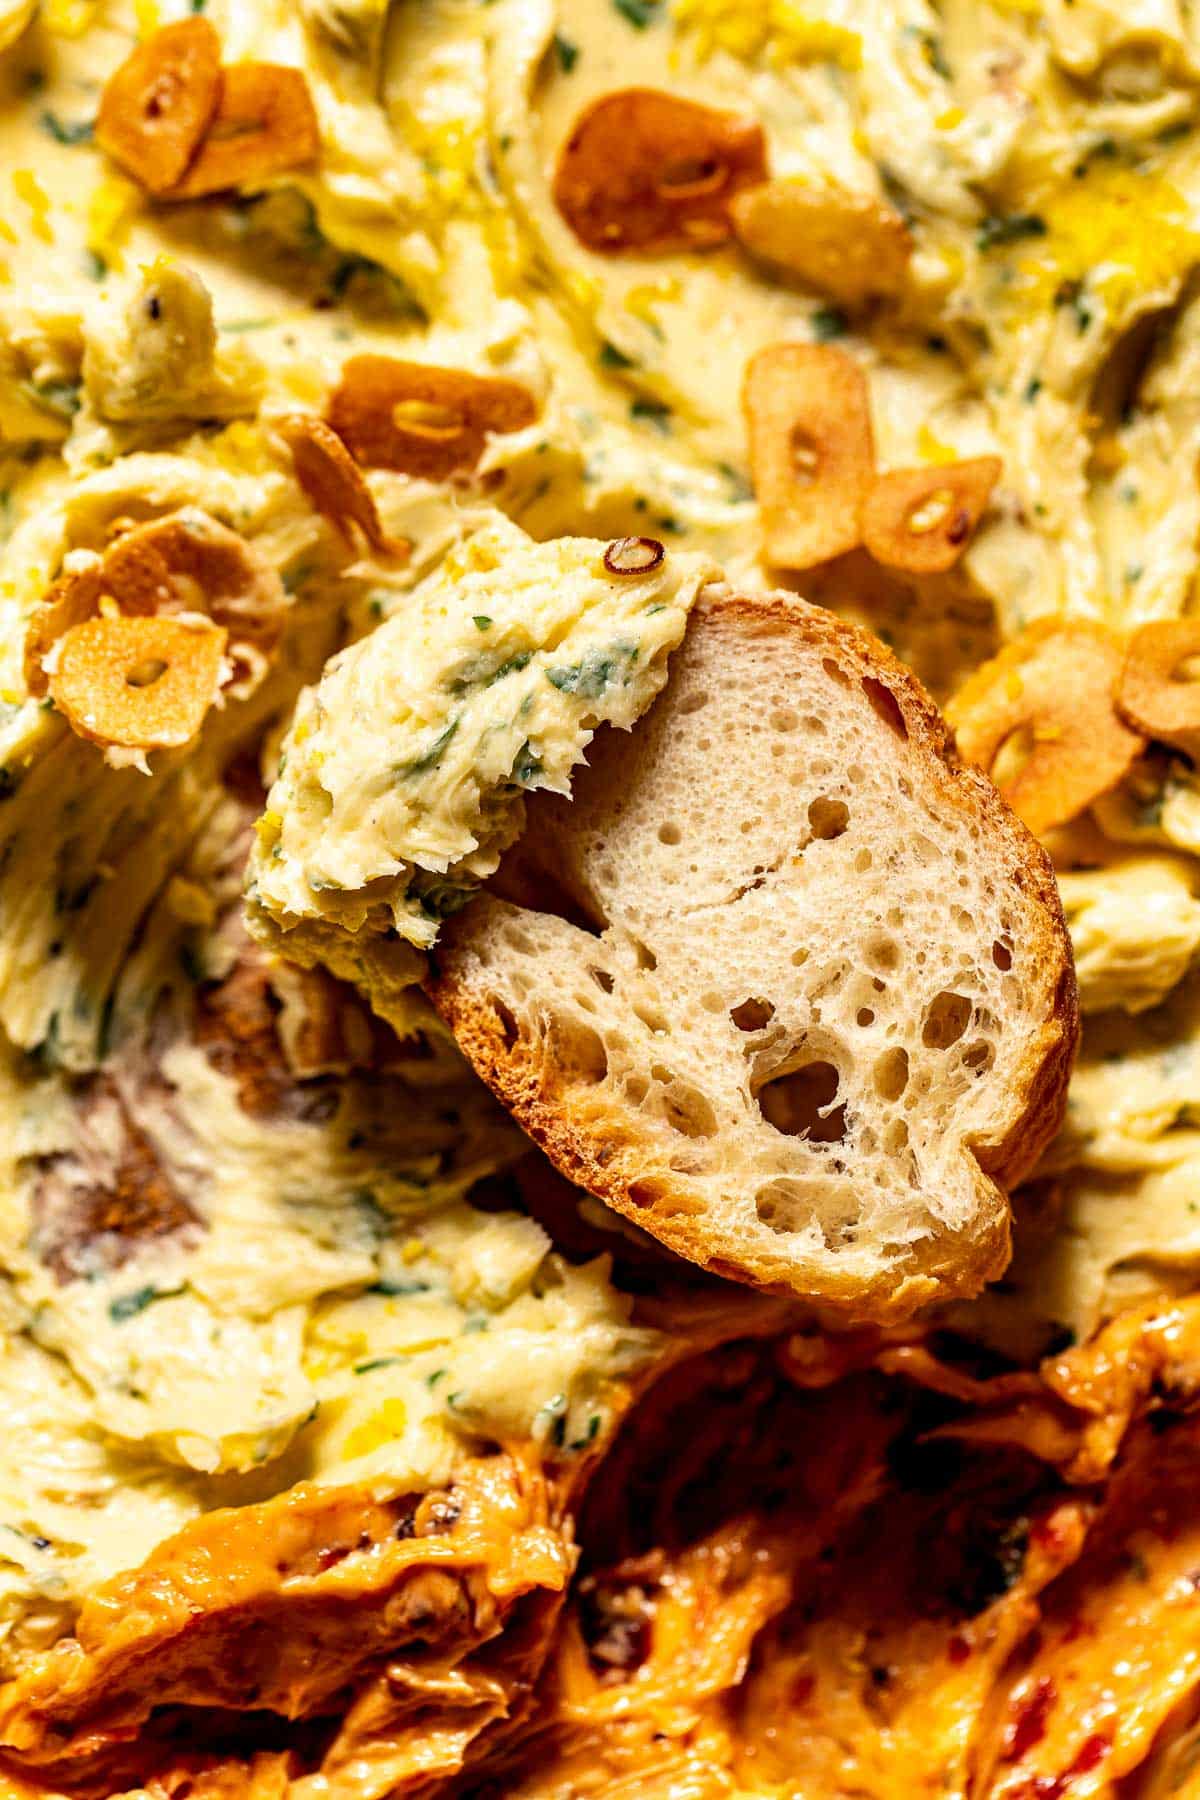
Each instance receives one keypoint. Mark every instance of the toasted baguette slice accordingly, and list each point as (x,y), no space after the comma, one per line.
(783,982)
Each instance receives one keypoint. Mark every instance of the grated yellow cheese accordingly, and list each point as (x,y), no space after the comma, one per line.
(779,29)
(385,1424)
(68,18)
(32,194)
(111,210)
(931,449)
(1127,233)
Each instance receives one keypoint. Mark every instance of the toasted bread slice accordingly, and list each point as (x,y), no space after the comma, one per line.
(783,982)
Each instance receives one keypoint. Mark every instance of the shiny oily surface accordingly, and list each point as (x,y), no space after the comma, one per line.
(245,1259)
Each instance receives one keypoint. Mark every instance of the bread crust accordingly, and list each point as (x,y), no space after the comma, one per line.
(601,1154)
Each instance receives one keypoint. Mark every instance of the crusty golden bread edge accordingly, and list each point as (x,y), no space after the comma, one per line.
(953,1265)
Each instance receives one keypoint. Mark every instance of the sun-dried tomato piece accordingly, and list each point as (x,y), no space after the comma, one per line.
(921,520)
(334,483)
(848,245)
(1154,693)
(185,562)
(1041,720)
(156,108)
(140,683)
(421,419)
(265,124)
(647,171)
(812,451)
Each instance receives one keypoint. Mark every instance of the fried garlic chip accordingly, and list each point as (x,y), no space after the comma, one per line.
(185,562)
(645,170)
(1154,693)
(333,482)
(848,245)
(156,108)
(921,520)
(1041,720)
(421,419)
(812,451)
(265,124)
(140,683)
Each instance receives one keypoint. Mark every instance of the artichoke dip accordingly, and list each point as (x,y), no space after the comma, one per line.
(370,420)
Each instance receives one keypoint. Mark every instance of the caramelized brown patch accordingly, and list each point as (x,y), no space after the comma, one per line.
(420,419)
(156,108)
(237,1026)
(647,171)
(88,1219)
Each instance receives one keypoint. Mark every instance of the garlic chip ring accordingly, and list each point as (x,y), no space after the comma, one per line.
(420,419)
(850,246)
(140,683)
(1152,695)
(1048,700)
(265,124)
(334,483)
(812,451)
(184,562)
(647,171)
(921,520)
(157,106)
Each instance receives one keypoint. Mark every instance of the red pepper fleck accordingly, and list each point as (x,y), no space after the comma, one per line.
(803,1688)
(1092,1751)
(1027,1726)
(958,1649)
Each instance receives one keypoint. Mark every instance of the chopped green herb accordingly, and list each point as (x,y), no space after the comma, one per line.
(739,488)
(566,52)
(829,322)
(527,766)
(442,899)
(94,266)
(935,56)
(589,1436)
(191,964)
(1009,228)
(1033,387)
(376,1362)
(60,397)
(595,672)
(653,412)
(66,131)
(612,358)
(421,765)
(128,1306)
(481,622)
(394,1287)
(639,13)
